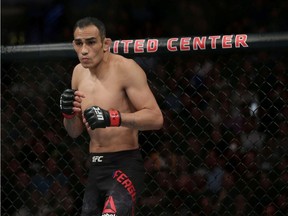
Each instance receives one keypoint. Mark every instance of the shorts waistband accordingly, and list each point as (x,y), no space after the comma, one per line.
(111,157)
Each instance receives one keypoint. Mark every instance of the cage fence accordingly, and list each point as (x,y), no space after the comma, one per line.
(222,151)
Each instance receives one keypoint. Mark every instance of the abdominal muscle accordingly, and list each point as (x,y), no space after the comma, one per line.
(113,139)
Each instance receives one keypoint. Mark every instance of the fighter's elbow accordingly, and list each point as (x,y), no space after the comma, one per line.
(73,135)
(74,132)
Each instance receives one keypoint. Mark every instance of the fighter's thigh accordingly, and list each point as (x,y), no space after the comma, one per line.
(91,202)
(93,199)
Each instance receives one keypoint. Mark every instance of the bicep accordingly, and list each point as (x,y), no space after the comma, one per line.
(138,90)
(74,79)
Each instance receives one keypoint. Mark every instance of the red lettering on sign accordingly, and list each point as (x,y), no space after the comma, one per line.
(226,41)
(241,40)
(185,44)
(170,46)
(139,46)
(199,43)
(126,45)
(115,46)
(152,45)
(214,41)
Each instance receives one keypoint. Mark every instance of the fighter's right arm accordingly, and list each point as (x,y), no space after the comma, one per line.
(74,126)
(70,105)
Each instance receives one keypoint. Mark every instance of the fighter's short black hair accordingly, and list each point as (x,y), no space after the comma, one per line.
(87,21)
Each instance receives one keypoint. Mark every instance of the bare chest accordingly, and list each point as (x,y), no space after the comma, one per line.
(107,94)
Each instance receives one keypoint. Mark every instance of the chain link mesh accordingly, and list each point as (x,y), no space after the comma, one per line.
(223,149)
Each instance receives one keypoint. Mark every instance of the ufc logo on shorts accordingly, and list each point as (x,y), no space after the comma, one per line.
(97,159)
(99,113)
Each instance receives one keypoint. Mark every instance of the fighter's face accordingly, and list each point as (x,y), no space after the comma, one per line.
(88,46)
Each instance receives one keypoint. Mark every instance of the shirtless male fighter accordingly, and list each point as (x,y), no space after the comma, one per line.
(111,99)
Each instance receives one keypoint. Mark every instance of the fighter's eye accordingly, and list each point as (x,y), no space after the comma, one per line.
(92,42)
(78,43)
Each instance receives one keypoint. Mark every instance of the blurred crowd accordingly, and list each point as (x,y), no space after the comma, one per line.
(51,21)
(223,149)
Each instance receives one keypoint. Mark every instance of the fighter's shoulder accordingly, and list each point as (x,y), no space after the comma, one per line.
(78,67)
(78,71)
(128,71)
(125,63)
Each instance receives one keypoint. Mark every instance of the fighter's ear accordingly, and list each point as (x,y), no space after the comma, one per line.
(107,43)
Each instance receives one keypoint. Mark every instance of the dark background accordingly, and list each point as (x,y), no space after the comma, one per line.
(212,157)
(51,21)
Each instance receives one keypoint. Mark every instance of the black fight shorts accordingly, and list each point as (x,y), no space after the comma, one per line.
(114,184)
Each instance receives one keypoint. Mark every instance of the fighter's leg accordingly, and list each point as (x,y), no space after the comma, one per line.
(92,201)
